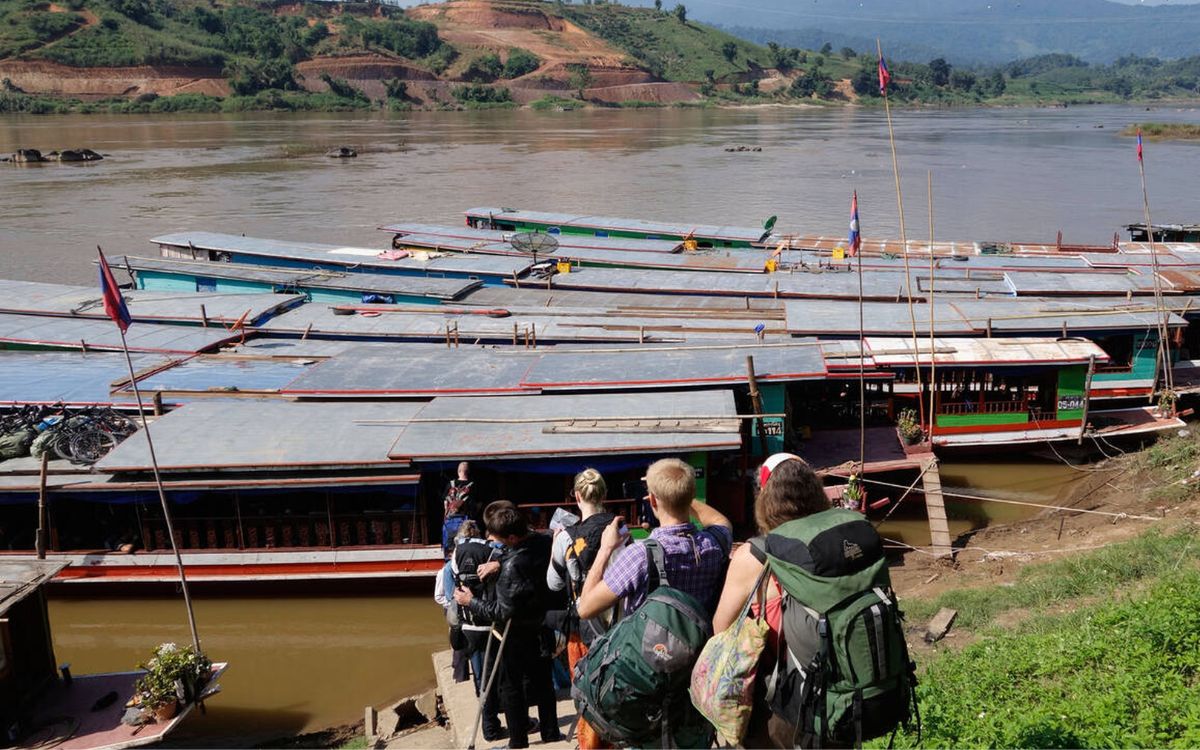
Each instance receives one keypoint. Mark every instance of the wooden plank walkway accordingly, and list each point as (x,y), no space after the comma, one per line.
(935,508)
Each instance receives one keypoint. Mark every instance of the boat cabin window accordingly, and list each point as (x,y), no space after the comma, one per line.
(554,230)
(205,284)
(1120,351)
(601,233)
(975,392)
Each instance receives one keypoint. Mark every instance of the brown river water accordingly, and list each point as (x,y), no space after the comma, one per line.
(300,663)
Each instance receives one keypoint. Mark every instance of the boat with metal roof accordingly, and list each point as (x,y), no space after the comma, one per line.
(704,235)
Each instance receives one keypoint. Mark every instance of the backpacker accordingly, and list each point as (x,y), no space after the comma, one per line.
(468,555)
(632,687)
(843,674)
(581,553)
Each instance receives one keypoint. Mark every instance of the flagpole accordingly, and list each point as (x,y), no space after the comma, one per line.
(1164,333)
(106,277)
(932,309)
(862,366)
(912,315)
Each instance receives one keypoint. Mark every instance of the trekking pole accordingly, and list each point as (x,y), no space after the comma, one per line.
(488,678)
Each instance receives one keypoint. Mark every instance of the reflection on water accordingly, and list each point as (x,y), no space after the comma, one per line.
(998,174)
(296,663)
(1029,480)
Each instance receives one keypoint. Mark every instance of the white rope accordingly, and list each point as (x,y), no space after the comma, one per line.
(964,496)
(897,544)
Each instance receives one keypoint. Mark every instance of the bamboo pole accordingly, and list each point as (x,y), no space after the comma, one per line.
(40,540)
(1163,323)
(932,312)
(912,315)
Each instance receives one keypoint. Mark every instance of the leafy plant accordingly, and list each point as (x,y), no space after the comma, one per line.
(520,62)
(173,673)
(910,428)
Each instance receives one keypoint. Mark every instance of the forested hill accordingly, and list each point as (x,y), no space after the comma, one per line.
(967,31)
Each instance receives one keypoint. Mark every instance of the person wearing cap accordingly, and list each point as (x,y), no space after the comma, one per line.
(788,489)
(695,560)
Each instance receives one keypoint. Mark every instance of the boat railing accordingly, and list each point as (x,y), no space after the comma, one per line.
(289,531)
(987,407)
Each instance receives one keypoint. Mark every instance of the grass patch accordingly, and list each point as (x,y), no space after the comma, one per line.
(1123,674)
(558,103)
(1098,573)
(1166,130)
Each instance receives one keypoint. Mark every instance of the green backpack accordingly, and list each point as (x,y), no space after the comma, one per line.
(843,674)
(632,687)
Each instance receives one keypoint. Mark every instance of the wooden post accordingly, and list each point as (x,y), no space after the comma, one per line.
(307,330)
(756,403)
(1087,394)
(514,334)
(40,540)
(203,316)
(156,402)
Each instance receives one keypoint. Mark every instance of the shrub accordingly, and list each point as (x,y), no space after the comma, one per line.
(341,87)
(250,77)
(484,69)
(396,89)
(520,62)
(481,94)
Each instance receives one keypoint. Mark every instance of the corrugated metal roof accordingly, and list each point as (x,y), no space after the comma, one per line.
(734,233)
(266,434)
(564,240)
(376,283)
(560,298)
(218,374)
(173,307)
(350,257)
(1068,284)
(471,371)
(898,352)
(539,426)
(744,260)
(76,333)
(19,579)
(320,321)
(71,377)
(969,317)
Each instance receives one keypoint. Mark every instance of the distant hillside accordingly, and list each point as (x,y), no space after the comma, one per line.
(964,31)
(457,53)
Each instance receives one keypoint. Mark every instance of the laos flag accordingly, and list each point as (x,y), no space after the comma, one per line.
(114,303)
(855,241)
(884,76)
(1139,144)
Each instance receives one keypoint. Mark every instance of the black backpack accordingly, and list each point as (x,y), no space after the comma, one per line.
(585,543)
(469,554)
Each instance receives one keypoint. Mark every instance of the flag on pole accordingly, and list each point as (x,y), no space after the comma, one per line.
(855,241)
(114,303)
(884,76)
(1139,144)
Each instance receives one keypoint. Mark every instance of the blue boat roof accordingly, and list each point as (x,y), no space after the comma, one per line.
(84,334)
(374,283)
(37,298)
(714,231)
(353,257)
(70,377)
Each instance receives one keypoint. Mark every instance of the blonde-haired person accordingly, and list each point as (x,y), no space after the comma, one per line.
(573,554)
(788,489)
(694,560)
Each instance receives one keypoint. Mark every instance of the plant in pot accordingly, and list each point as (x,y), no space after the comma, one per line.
(1166,402)
(910,428)
(173,676)
(854,494)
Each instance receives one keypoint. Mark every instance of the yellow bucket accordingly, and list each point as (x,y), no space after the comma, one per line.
(564,266)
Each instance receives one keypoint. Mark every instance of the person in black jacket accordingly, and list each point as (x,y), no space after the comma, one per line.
(519,608)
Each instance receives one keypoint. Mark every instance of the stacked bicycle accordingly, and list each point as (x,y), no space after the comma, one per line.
(82,436)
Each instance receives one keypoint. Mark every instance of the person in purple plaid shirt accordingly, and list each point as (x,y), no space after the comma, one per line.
(695,560)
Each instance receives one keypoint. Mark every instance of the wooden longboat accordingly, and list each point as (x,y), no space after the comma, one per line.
(704,235)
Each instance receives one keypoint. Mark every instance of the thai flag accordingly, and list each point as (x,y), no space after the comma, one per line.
(114,303)
(1139,144)
(884,76)
(855,241)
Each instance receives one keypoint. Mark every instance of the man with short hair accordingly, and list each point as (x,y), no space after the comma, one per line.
(695,561)
(519,609)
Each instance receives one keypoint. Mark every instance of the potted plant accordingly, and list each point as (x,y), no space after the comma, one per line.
(910,429)
(854,495)
(1166,403)
(174,676)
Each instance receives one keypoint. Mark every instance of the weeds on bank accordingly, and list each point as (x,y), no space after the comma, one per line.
(1098,573)
(1124,674)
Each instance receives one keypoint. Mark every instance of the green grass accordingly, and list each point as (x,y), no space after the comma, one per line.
(551,102)
(1099,573)
(1175,130)
(1119,674)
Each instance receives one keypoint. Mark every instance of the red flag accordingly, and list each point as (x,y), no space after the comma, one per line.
(884,76)
(855,241)
(114,303)
(1139,144)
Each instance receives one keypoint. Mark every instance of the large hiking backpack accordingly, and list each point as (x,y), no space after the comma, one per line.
(843,674)
(585,542)
(632,687)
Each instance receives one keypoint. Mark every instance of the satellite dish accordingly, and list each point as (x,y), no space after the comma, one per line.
(534,243)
